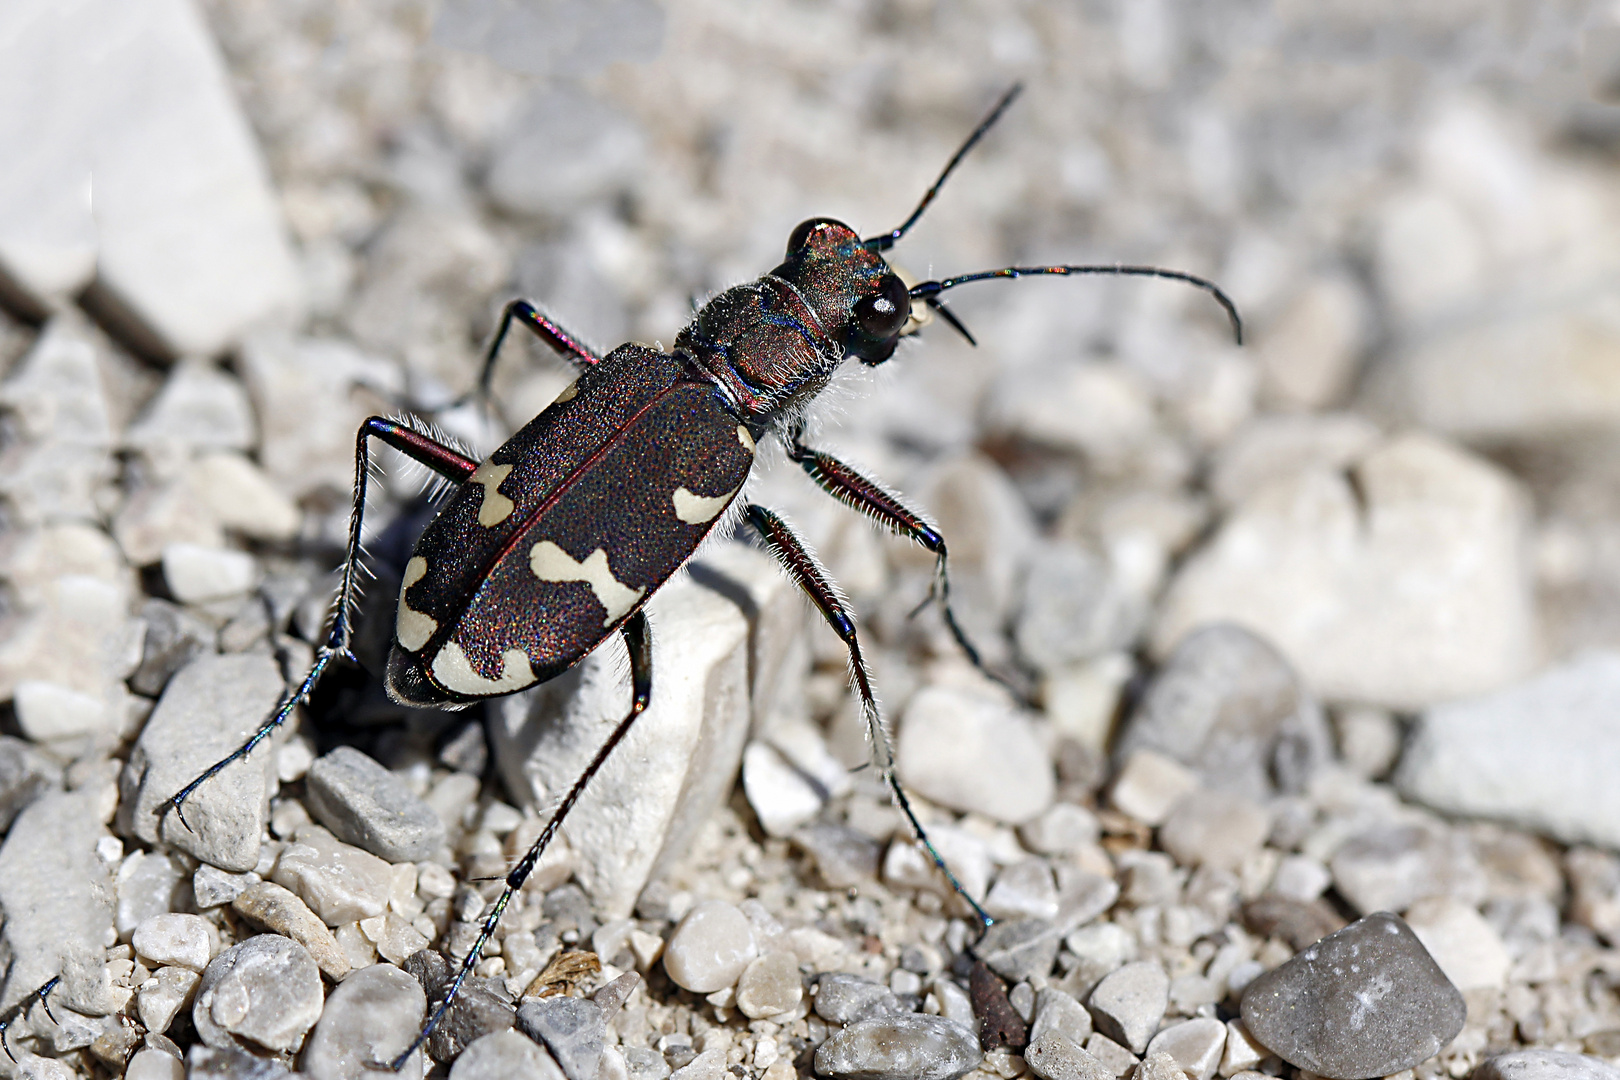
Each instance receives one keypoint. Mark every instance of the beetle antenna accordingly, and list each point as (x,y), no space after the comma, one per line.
(927,290)
(885,241)
(950,317)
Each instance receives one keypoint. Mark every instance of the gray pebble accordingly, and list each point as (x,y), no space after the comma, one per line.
(908,1046)
(644,1063)
(710,947)
(174,637)
(974,752)
(613,996)
(1365,1001)
(1128,1004)
(211,886)
(338,881)
(1060,1012)
(25,775)
(844,999)
(149,883)
(187,941)
(1388,867)
(1054,1056)
(844,858)
(371,1016)
(1194,1045)
(571,1028)
(205,1062)
(1228,705)
(1073,608)
(1063,829)
(54,889)
(1113,1057)
(482,1007)
(275,908)
(506,1055)
(1218,829)
(1018,949)
(1546,1065)
(265,992)
(208,709)
(366,805)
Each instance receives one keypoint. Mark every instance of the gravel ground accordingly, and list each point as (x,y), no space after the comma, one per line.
(1316,641)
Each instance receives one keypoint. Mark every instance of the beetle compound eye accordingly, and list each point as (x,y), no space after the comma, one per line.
(882,314)
(800,236)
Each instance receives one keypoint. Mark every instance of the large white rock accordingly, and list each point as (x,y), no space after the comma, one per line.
(1542,754)
(975,753)
(673,769)
(1401,583)
(187,240)
(53,471)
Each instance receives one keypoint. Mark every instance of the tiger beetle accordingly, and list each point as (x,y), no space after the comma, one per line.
(553,543)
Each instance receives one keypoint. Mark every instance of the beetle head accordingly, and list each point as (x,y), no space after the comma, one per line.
(861,301)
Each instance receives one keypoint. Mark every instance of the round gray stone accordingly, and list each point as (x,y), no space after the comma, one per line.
(366,805)
(501,1055)
(264,993)
(907,1046)
(1366,1001)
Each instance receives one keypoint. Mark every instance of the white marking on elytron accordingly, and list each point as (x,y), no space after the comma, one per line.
(412,627)
(569,393)
(496,507)
(454,672)
(699,509)
(746,439)
(551,563)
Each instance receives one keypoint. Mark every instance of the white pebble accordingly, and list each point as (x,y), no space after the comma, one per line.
(1149,786)
(186,941)
(195,573)
(154,1065)
(710,948)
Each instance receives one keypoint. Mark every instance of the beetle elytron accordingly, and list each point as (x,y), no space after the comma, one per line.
(553,543)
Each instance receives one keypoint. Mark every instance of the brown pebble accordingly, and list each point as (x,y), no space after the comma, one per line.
(1300,923)
(999,1024)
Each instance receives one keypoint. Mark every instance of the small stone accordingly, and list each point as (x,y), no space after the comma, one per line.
(1000,1026)
(770,985)
(275,908)
(612,997)
(241,497)
(149,883)
(710,948)
(1369,739)
(709,1065)
(781,795)
(1227,705)
(908,865)
(207,711)
(503,1055)
(154,1065)
(1019,949)
(211,886)
(366,805)
(174,637)
(1062,830)
(1388,867)
(1074,608)
(1467,948)
(1112,1056)
(338,881)
(25,775)
(1218,829)
(844,999)
(573,1029)
(394,938)
(1366,1001)
(1023,890)
(1054,1056)
(1242,1053)
(1149,786)
(264,992)
(909,1046)
(1540,1064)
(165,995)
(482,1007)
(1059,1012)
(1128,1004)
(1099,949)
(1300,877)
(644,1063)
(1158,1067)
(1194,1045)
(1298,922)
(973,753)
(186,941)
(370,1016)
(195,573)
(205,1062)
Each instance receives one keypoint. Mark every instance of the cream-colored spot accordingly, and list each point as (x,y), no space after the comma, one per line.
(569,393)
(454,672)
(413,628)
(699,509)
(551,563)
(496,507)
(746,439)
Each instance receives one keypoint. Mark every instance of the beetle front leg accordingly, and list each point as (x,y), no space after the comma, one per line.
(802,565)
(639,644)
(871,498)
(567,345)
(443,460)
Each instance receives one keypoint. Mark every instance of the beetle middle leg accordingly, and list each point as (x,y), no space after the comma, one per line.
(871,498)
(806,569)
(639,644)
(444,460)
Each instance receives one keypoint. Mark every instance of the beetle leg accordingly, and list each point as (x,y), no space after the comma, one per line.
(442,459)
(803,566)
(567,346)
(639,644)
(876,501)
(21,1008)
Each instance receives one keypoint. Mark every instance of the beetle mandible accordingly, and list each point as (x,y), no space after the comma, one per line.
(553,543)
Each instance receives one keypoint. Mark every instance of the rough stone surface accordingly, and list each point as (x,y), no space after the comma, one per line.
(1054,1056)
(1546,1065)
(571,1028)
(338,881)
(366,805)
(208,709)
(770,985)
(972,752)
(781,795)
(265,992)
(1408,589)
(276,908)
(25,775)
(188,941)
(205,1062)
(370,1016)
(844,999)
(1366,1001)
(1194,1045)
(162,998)
(711,948)
(1059,1012)
(1229,706)
(1538,754)
(149,883)
(55,891)
(680,758)
(503,1054)
(1128,1004)
(909,1046)
(1388,867)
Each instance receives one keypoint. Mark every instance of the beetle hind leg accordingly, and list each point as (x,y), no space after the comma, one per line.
(806,569)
